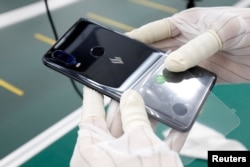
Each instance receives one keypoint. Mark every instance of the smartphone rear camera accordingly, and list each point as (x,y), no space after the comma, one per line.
(65,58)
(180,109)
(97,51)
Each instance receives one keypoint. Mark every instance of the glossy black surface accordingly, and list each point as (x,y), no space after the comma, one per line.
(102,55)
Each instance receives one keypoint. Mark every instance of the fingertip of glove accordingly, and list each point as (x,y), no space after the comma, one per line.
(91,93)
(133,111)
(131,97)
(174,65)
(92,103)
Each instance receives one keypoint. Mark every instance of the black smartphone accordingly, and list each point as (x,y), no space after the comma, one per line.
(111,63)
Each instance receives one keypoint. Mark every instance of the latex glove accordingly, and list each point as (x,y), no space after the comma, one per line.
(138,146)
(199,33)
(175,139)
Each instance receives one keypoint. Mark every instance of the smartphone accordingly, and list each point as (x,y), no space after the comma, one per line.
(111,63)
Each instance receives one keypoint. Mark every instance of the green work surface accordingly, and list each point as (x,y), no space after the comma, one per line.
(233,95)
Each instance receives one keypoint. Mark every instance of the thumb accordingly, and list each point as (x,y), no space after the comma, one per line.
(193,52)
(152,32)
(133,111)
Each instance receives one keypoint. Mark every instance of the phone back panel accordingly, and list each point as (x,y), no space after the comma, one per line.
(102,55)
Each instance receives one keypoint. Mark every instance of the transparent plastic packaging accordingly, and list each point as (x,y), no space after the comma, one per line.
(175,98)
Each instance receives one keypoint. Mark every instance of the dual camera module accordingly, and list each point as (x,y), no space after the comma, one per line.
(70,60)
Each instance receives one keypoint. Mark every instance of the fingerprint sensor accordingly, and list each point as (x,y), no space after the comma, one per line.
(97,51)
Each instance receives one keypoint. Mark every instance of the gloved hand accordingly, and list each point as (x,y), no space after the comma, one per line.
(138,146)
(216,38)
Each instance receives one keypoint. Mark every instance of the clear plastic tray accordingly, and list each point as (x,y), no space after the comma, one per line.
(214,114)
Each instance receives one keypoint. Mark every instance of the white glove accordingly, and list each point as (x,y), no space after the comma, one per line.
(138,146)
(199,33)
(215,38)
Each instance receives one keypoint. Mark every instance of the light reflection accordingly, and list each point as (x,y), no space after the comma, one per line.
(186,89)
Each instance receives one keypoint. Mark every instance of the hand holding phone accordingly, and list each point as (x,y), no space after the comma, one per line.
(112,63)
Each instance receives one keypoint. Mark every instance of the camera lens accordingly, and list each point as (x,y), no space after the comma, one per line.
(64,57)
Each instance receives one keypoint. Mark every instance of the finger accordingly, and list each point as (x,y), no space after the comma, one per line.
(113,119)
(154,31)
(175,140)
(93,105)
(133,111)
(194,52)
